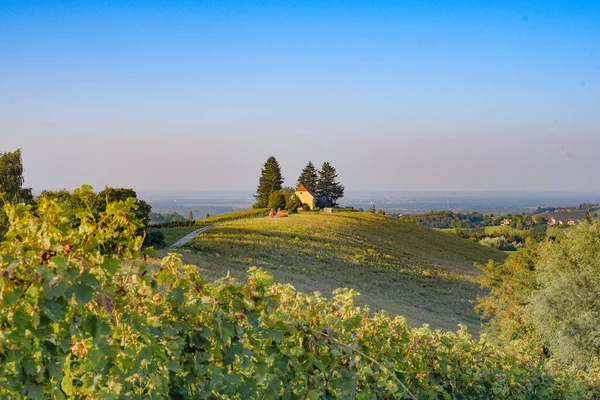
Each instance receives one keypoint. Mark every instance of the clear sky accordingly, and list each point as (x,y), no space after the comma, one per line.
(398,95)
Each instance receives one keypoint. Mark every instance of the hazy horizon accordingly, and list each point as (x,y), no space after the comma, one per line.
(396,95)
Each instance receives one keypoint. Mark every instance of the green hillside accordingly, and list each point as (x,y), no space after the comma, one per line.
(424,275)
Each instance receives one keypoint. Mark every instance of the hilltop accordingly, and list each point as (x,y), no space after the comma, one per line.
(424,275)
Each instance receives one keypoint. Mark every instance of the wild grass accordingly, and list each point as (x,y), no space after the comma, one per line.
(422,274)
(174,234)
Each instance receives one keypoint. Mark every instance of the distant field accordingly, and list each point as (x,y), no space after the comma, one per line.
(487,229)
(422,274)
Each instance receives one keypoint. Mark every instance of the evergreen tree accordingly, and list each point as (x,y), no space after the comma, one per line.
(191,215)
(328,189)
(309,176)
(270,181)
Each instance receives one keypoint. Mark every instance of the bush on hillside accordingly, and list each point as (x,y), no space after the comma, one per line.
(294,204)
(154,238)
(276,201)
(83,321)
(564,307)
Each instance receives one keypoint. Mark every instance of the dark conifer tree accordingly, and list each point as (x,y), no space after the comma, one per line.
(309,176)
(270,181)
(328,189)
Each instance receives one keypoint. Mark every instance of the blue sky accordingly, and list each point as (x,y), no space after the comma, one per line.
(444,95)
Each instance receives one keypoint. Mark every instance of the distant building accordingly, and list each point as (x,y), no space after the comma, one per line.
(306,196)
(506,221)
(553,221)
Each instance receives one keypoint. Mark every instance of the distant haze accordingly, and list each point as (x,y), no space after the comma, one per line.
(421,96)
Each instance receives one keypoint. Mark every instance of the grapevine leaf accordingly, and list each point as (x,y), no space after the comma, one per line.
(55,309)
(111,265)
(10,296)
(83,293)
(173,366)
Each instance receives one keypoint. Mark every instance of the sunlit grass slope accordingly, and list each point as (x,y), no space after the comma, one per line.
(424,275)
(174,234)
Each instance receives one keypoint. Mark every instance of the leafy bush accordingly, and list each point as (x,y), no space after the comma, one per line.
(564,306)
(500,243)
(79,321)
(295,203)
(154,239)
(494,242)
(276,201)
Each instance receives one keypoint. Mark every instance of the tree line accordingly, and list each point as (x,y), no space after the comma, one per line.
(271,193)
(73,203)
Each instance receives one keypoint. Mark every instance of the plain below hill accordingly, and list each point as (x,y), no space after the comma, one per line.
(424,275)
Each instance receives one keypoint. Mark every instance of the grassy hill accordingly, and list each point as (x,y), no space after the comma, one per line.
(424,275)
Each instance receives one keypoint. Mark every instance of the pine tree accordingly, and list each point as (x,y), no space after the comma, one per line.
(328,189)
(191,215)
(309,176)
(270,181)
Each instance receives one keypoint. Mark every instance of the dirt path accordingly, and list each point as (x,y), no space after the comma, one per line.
(184,240)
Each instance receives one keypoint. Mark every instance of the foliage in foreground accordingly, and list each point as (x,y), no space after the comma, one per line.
(81,315)
(544,300)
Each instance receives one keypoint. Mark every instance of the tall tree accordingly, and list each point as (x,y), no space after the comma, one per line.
(564,306)
(270,181)
(11,179)
(328,188)
(11,184)
(191,215)
(309,176)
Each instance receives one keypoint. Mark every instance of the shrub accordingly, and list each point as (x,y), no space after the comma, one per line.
(295,203)
(154,239)
(276,201)
(564,306)
(494,242)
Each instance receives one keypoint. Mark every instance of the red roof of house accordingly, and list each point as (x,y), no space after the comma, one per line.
(304,188)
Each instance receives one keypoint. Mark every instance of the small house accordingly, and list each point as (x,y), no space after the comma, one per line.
(306,196)
(506,221)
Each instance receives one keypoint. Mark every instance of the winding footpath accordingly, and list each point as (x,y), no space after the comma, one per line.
(184,240)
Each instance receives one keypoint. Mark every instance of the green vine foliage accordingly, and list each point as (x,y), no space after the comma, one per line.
(85,314)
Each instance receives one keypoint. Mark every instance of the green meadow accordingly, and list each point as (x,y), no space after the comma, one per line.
(424,275)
